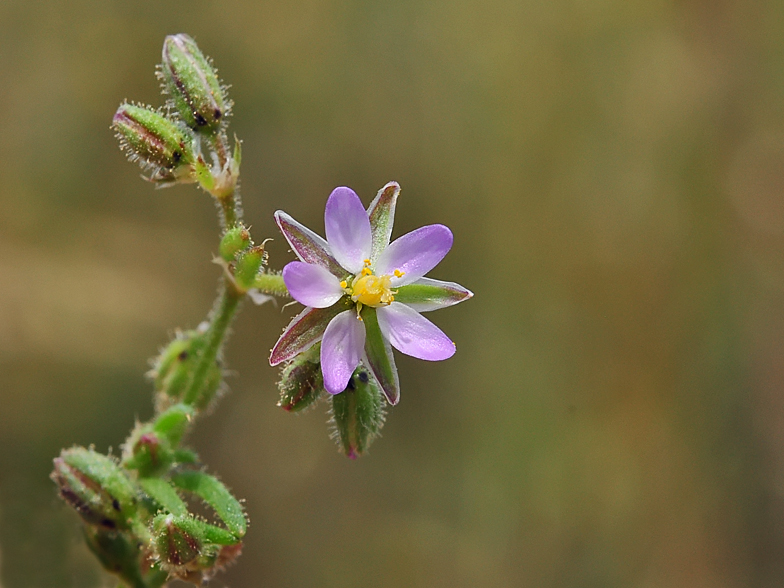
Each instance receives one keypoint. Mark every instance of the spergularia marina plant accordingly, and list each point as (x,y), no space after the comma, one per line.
(363,295)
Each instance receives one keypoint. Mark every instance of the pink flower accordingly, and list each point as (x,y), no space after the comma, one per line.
(363,294)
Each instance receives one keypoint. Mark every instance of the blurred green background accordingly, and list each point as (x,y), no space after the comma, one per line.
(613,172)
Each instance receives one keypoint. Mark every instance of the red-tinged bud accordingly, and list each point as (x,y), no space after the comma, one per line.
(96,487)
(192,84)
(301,382)
(358,413)
(156,142)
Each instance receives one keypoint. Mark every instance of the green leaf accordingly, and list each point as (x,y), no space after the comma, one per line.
(214,493)
(165,495)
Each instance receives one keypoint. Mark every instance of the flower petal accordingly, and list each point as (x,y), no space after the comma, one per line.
(415,253)
(304,331)
(341,350)
(348,229)
(381,213)
(427,294)
(412,334)
(378,356)
(312,285)
(307,245)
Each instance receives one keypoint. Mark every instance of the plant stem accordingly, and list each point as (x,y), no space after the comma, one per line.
(271,284)
(223,313)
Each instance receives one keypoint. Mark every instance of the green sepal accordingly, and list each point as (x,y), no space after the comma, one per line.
(173,422)
(234,240)
(428,294)
(164,495)
(381,213)
(155,141)
(358,413)
(379,356)
(247,267)
(192,84)
(96,487)
(216,495)
(301,381)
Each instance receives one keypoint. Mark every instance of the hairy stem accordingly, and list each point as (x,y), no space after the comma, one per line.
(222,316)
(271,284)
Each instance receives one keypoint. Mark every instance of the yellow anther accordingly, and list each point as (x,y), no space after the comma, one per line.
(372,291)
(367,262)
(399,274)
(344,284)
(366,271)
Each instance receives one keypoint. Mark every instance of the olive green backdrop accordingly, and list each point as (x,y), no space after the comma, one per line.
(613,172)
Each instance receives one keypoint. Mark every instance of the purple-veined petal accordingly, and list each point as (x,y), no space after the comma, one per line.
(379,358)
(348,229)
(311,285)
(427,294)
(414,254)
(411,333)
(381,213)
(304,331)
(341,350)
(307,245)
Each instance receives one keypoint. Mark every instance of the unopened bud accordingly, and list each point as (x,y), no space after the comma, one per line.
(235,240)
(95,486)
(358,413)
(187,547)
(155,141)
(248,265)
(174,367)
(301,381)
(192,83)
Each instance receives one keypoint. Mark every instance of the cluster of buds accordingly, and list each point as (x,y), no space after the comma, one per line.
(168,143)
(136,508)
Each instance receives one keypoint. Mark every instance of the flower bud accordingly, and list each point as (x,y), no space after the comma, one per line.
(358,413)
(188,548)
(235,240)
(248,265)
(174,367)
(117,552)
(95,486)
(155,141)
(192,83)
(301,382)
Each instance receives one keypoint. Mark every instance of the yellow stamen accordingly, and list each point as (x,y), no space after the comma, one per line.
(367,262)
(366,272)
(344,284)
(372,290)
(399,274)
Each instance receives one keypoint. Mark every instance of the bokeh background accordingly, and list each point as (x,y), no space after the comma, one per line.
(613,171)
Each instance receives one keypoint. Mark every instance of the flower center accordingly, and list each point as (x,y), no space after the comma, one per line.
(372,290)
(368,289)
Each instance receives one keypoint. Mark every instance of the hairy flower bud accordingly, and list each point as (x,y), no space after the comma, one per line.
(188,548)
(234,240)
(358,413)
(174,367)
(192,83)
(301,382)
(156,142)
(94,486)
